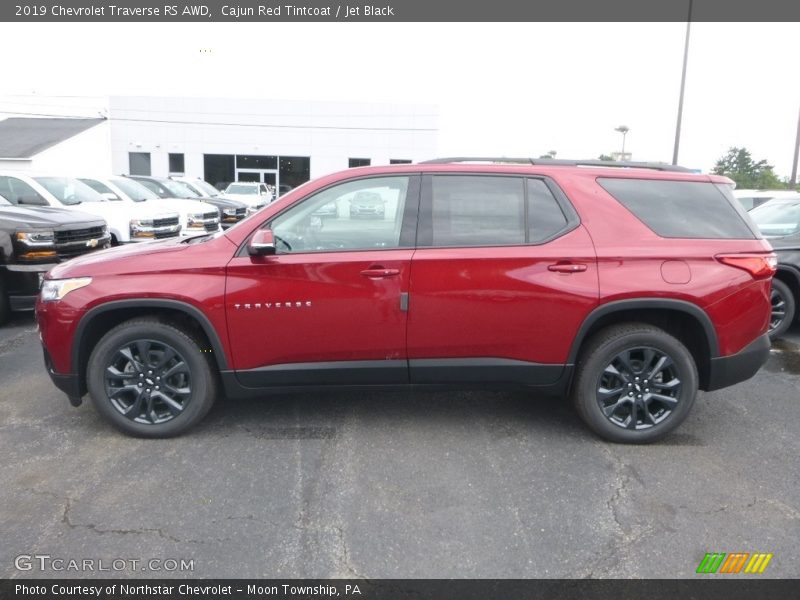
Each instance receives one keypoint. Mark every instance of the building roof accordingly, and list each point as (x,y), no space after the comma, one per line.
(22,137)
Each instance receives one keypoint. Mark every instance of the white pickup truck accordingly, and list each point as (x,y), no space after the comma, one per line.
(126,222)
(195,216)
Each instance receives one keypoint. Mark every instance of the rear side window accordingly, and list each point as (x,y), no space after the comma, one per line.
(681,209)
(478,211)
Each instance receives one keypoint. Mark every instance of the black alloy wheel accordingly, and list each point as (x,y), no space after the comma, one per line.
(634,383)
(639,388)
(783,309)
(148,381)
(151,378)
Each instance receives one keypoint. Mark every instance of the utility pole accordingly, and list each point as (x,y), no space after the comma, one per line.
(683,86)
(793,180)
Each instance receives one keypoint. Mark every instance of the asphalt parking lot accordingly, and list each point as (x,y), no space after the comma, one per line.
(394,484)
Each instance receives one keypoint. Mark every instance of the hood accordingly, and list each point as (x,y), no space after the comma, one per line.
(223,203)
(175,205)
(82,265)
(46,217)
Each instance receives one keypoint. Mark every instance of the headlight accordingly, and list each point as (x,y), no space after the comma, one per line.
(36,238)
(56,289)
(141,222)
(231,212)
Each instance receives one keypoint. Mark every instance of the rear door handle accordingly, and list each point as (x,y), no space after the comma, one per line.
(567,267)
(379,272)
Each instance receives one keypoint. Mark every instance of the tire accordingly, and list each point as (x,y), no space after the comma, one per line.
(603,378)
(783,309)
(130,399)
(5,309)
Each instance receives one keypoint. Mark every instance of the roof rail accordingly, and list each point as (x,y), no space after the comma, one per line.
(560,162)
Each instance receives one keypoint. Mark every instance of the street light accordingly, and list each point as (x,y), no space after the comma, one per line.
(623,129)
(683,86)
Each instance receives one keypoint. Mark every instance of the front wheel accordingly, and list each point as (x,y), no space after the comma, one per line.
(150,379)
(635,383)
(783,308)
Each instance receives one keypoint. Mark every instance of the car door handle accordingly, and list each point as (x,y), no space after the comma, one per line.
(567,267)
(378,272)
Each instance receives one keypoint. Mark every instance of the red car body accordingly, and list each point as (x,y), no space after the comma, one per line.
(428,315)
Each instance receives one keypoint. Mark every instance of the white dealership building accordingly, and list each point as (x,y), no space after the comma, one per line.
(282,142)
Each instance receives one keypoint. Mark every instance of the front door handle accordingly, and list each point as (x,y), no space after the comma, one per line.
(379,272)
(567,267)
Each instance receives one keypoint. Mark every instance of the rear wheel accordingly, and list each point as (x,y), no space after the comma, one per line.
(635,383)
(150,379)
(783,309)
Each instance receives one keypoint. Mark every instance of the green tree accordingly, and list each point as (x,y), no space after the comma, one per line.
(738,164)
(605,157)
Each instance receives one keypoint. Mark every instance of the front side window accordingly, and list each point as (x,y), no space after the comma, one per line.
(365,214)
(69,191)
(101,188)
(17,191)
(135,190)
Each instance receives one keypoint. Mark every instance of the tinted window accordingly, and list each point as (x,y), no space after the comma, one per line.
(134,189)
(680,209)
(545,217)
(477,211)
(358,162)
(100,188)
(17,191)
(69,191)
(176,163)
(356,215)
(779,218)
(139,163)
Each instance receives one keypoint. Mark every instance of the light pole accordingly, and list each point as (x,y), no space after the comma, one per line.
(623,129)
(683,85)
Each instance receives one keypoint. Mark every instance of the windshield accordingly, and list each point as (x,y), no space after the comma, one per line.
(179,189)
(69,191)
(238,188)
(778,219)
(205,188)
(134,190)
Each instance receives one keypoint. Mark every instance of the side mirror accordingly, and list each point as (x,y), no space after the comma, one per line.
(262,243)
(110,196)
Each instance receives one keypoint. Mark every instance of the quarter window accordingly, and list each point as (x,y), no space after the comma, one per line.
(365,214)
(545,217)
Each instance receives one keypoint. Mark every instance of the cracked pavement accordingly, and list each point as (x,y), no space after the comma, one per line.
(395,484)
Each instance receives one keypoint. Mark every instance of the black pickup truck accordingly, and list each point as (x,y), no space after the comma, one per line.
(32,241)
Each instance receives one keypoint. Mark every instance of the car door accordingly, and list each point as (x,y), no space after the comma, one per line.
(503,276)
(329,306)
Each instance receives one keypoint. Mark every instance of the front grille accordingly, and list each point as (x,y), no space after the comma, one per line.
(73,242)
(211,226)
(162,235)
(210,215)
(78,235)
(240,212)
(166,222)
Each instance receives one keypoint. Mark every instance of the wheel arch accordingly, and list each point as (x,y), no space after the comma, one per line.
(101,319)
(685,321)
(790,275)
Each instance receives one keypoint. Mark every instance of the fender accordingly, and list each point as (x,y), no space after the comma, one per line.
(646,303)
(184,307)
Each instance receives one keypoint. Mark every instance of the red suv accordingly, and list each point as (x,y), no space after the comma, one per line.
(626,286)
